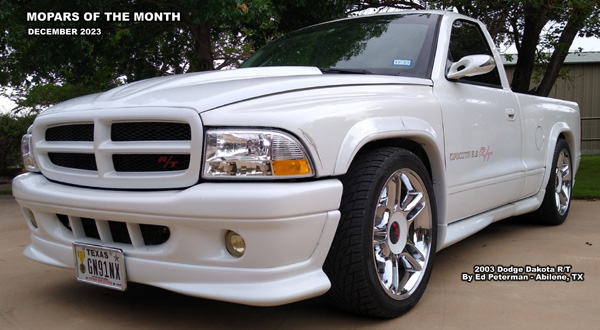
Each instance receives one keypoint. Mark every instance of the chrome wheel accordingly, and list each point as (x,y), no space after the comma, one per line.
(557,199)
(562,182)
(383,251)
(402,230)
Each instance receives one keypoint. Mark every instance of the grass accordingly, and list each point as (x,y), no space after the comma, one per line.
(587,181)
(6,191)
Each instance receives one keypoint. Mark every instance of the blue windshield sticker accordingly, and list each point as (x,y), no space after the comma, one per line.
(402,62)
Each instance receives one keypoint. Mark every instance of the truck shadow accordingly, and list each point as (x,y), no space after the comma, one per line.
(147,307)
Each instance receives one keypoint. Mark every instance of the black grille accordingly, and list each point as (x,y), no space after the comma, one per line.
(152,234)
(150,163)
(64,219)
(71,160)
(90,229)
(155,235)
(150,131)
(119,232)
(79,132)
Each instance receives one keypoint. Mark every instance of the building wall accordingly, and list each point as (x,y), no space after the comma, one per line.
(582,86)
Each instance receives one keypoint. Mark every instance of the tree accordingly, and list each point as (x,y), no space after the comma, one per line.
(535,27)
(216,34)
(208,32)
(574,20)
(11,131)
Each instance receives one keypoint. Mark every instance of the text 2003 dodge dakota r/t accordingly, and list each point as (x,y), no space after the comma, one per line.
(339,158)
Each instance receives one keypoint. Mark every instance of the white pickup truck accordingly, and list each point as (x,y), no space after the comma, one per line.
(338,159)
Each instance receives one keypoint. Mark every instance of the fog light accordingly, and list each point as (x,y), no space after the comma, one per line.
(235,244)
(30,217)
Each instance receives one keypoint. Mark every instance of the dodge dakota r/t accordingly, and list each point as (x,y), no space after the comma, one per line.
(338,159)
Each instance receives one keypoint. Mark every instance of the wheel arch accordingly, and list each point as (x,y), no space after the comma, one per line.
(561,131)
(422,142)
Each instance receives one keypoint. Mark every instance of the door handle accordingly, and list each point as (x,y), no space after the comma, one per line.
(510,113)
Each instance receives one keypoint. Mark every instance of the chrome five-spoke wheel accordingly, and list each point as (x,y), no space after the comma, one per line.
(562,181)
(557,200)
(402,233)
(381,257)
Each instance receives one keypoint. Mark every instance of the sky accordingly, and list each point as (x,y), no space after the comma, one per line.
(6,104)
(588,45)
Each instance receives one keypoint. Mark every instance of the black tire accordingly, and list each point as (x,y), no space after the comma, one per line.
(557,200)
(376,232)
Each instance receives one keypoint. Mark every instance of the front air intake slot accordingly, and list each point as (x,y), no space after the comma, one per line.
(139,235)
(76,132)
(150,131)
(73,160)
(150,162)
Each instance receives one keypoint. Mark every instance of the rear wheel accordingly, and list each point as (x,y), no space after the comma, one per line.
(557,200)
(381,258)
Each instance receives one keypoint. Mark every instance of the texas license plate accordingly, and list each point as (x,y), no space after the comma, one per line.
(100,265)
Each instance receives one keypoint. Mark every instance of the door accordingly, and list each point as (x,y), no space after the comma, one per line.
(482,132)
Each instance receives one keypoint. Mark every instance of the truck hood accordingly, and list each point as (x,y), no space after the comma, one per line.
(205,91)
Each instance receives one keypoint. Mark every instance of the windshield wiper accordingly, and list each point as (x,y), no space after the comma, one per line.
(336,70)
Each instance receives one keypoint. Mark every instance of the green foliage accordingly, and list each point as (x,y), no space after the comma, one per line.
(587,181)
(12,129)
(43,70)
(215,34)
(535,27)
(124,52)
(293,15)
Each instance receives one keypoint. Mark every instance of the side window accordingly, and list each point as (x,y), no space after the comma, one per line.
(467,39)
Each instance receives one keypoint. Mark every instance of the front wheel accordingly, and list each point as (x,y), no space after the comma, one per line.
(382,255)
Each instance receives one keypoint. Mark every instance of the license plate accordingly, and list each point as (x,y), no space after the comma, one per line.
(100,265)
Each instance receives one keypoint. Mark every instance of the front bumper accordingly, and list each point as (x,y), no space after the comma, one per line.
(287,227)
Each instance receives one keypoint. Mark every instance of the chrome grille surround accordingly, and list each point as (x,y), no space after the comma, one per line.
(172,163)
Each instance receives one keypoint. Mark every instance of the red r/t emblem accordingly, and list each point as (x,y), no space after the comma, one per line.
(167,161)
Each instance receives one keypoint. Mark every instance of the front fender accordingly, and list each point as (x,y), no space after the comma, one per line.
(383,130)
(377,129)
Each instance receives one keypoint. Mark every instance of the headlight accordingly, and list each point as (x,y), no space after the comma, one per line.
(260,154)
(27,152)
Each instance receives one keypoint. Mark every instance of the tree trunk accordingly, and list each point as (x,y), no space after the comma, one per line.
(535,19)
(556,61)
(574,24)
(203,48)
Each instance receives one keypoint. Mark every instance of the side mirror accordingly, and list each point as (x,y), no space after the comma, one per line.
(471,65)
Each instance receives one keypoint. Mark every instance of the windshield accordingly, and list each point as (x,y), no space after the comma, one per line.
(387,44)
